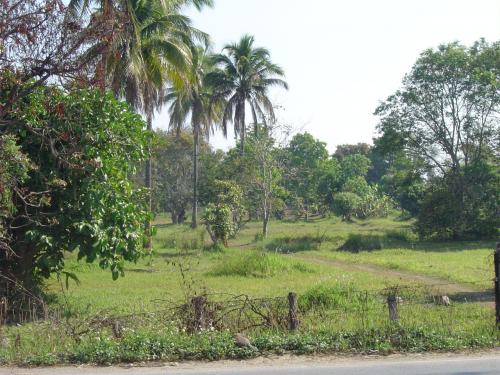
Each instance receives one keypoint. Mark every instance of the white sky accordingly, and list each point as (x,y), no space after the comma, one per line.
(342,58)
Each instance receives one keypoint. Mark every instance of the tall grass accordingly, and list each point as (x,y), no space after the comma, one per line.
(334,296)
(185,240)
(258,264)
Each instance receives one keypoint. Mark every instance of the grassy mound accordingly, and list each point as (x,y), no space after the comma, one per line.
(328,296)
(293,244)
(258,264)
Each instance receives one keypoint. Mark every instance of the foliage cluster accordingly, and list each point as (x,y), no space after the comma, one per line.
(69,188)
(223,217)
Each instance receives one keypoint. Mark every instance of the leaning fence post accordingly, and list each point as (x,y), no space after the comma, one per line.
(293,320)
(392,303)
(496,261)
(198,304)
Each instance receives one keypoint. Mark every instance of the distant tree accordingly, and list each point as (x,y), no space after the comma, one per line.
(401,176)
(447,110)
(329,183)
(40,44)
(245,76)
(211,171)
(354,166)
(345,150)
(447,113)
(404,182)
(191,101)
(263,172)
(306,160)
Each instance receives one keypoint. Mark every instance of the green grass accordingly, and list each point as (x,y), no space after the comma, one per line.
(258,264)
(343,308)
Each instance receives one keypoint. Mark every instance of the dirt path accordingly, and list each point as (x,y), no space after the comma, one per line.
(442,286)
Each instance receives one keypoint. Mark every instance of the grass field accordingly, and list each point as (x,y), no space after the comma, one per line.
(341,294)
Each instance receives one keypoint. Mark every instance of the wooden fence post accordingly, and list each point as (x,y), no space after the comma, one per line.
(392,303)
(198,304)
(496,261)
(293,320)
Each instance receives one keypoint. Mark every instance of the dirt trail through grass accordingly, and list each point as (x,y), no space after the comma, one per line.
(442,286)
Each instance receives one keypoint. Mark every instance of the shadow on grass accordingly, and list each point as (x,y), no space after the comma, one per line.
(142,270)
(479,296)
(177,255)
(357,242)
(292,244)
(444,246)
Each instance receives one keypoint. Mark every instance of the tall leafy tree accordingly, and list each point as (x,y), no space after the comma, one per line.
(173,172)
(191,101)
(447,113)
(306,161)
(245,76)
(447,110)
(263,170)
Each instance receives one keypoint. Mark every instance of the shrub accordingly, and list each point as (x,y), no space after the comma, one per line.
(359,242)
(224,216)
(346,204)
(215,248)
(79,147)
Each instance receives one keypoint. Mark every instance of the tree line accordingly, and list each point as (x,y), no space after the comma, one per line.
(435,158)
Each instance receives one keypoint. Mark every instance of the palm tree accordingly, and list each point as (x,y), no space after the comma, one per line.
(193,101)
(131,29)
(161,53)
(148,46)
(244,77)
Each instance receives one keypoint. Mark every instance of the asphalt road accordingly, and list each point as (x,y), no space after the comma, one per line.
(463,365)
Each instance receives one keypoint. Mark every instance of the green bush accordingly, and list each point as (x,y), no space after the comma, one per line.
(215,248)
(359,242)
(258,264)
(346,205)
(223,217)
(74,194)
(463,205)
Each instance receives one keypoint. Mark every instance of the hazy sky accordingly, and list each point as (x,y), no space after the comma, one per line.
(342,58)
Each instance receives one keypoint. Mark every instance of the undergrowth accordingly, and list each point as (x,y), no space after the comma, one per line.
(153,346)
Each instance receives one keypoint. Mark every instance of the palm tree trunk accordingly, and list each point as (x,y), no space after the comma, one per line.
(100,74)
(148,181)
(194,216)
(243,129)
